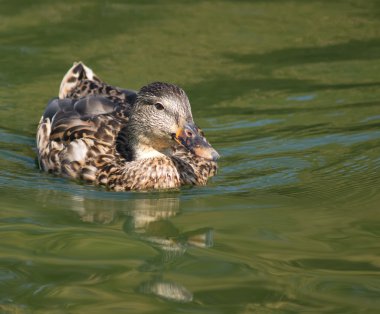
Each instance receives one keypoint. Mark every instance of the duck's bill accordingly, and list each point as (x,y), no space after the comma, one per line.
(192,138)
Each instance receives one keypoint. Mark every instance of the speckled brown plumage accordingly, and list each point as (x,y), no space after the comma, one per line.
(109,136)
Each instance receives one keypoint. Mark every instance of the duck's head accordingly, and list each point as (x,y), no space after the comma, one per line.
(160,119)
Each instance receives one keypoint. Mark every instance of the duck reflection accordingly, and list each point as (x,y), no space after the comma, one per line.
(167,289)
(150,222)
(148,219)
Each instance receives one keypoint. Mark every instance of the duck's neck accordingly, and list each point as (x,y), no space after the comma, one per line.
(139,145)
(141,151)
(138,149)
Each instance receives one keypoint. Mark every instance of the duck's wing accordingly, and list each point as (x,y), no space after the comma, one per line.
(82,124)
(74,133)
(80,81)
(72,118)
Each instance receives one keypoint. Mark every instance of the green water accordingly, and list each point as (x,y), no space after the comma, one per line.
(287,91)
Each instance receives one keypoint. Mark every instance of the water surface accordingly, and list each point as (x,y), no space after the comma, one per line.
(287,91)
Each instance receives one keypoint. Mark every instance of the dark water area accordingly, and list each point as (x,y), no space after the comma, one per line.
(287,91)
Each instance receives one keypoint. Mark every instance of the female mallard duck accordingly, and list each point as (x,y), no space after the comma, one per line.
(122,139)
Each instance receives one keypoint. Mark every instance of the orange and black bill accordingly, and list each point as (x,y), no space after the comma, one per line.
(191,137)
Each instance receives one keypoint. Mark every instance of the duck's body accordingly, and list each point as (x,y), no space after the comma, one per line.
(122,139)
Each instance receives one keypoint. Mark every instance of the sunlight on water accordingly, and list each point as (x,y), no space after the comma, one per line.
(286,91)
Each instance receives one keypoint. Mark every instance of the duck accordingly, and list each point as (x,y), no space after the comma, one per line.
(123,139)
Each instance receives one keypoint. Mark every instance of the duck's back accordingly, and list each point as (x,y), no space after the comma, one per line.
(78,131)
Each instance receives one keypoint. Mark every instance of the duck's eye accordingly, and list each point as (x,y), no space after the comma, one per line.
(159,106)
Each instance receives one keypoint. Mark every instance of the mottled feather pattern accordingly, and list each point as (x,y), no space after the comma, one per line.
(193,170)
(83,136)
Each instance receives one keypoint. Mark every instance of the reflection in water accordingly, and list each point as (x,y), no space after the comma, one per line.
(148,220)
(88,212)
(167,290)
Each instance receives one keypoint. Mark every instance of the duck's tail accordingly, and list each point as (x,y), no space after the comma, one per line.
(47,150)
(80,81)
(75,77)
